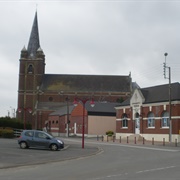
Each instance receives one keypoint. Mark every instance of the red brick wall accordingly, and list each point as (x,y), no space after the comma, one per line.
(157,110)
(77,117)
(59,123)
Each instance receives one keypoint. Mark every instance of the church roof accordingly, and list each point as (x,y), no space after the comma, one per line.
(86,83)
(34,43)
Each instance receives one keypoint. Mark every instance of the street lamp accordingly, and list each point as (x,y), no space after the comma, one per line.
(169,77)
(76,100)
(24,109)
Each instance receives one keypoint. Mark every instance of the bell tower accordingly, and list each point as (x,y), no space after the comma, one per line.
(31,71)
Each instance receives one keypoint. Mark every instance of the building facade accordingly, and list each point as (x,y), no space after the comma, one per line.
(150,113)
(97,120)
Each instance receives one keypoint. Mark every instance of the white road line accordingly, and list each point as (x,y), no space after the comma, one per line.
(157,169)
(138,172)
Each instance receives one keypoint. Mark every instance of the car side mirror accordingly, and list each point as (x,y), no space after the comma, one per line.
(48,137)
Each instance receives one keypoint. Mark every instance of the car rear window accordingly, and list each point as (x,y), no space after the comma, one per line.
(29,133)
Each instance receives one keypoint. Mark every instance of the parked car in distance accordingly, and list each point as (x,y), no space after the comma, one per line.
(39,139)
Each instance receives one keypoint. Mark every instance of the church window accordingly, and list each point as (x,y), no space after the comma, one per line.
(151,121)
(30,69)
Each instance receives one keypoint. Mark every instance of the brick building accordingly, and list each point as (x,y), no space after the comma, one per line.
(97,120)
(147,113)
(40,94)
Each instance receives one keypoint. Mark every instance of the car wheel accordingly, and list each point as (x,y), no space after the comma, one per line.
(54,147)
(23,145)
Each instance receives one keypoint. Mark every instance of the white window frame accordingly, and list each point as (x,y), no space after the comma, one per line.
(165,120)
(124,121)
(151,120)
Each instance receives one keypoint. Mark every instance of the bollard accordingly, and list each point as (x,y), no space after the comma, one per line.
(97,138)
(176,142)
(107,138)
(152,141)
(113,138)
(102,138)
(127,139)
(134,140)
(163,141)
(120,139)
(143,141)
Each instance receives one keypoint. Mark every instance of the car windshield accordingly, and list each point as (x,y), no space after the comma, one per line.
(50,135)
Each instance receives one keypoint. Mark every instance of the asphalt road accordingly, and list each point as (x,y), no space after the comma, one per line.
(114,162)
(12,156)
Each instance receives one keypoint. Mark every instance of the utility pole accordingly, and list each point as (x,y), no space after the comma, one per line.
(169,77)
(68,121)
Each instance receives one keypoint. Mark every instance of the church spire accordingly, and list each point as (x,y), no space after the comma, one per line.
(34,44)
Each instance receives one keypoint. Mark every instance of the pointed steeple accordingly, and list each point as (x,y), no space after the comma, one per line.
(34,43)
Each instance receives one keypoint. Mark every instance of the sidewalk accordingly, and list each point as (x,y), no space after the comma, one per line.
(126,141)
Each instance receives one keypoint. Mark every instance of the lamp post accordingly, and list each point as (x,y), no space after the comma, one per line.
(169,77)
(24,109)
(68,121)
(76,100)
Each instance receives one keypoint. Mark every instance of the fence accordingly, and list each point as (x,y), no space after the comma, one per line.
(17,132)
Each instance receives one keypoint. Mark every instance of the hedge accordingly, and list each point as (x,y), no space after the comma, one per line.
(13,123)
(6,133)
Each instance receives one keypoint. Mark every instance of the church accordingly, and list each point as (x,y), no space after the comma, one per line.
(40,94)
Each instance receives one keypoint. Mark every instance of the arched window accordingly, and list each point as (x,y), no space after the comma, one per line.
(165,119)
(151,121)
(30,69)
(124,121)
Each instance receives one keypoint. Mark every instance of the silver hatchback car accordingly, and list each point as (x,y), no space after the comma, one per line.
(39,139)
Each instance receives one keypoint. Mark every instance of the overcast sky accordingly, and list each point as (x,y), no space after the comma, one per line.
(91,37)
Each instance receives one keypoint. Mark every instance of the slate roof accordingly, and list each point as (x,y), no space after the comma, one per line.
(100,107)
(34,43)
(161,93)
(62,111)
(86,83)
(158,93)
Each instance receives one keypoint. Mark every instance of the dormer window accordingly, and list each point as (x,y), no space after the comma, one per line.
(30,69)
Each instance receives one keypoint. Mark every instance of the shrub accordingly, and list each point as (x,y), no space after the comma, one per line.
(6,133)
(109,133)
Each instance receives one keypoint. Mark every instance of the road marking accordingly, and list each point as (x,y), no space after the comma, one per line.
(107,177)
(138,172)
(157,169)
